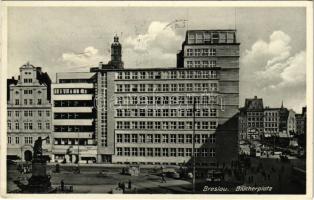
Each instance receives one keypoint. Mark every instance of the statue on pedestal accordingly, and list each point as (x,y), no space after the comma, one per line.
(39,182)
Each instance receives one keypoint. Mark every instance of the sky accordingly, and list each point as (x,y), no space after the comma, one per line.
(61,39)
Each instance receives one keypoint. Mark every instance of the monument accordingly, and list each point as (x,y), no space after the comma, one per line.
(39,182)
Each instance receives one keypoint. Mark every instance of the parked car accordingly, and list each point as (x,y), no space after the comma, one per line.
(175,175)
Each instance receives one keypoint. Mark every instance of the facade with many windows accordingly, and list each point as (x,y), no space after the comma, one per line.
(29,113)
(73,118)
(146,116)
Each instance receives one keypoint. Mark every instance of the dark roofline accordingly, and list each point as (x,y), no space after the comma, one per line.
(211,30)
(96,69)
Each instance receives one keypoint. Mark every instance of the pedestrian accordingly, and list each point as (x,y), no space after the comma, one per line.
(130,184)
(62,185)
(123,187)
(163,179)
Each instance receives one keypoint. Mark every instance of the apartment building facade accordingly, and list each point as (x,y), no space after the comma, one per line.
(28,113)
(146,116)
(251,119)
(73,118)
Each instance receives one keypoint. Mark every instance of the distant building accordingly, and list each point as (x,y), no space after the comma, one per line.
(301,122)
(29,112)
(145,116)
(74,118)
(271,121)
(251,119)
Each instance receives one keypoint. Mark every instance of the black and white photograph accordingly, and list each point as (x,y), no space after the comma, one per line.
(157,98)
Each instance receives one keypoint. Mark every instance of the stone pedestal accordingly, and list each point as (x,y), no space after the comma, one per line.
(39,182)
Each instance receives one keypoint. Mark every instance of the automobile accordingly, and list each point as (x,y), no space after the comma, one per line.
(214,176)
(10,162)
(175,175)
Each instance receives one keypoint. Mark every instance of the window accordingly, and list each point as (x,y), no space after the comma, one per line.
(205,64)
(127,151)
(149,138)
(165,152)
(142,138)
(173,152)
(205,52)
(126,138)
(39,102)
(134,138)
(157,125)
(119,151)
(180,138)
(204,152)
(25,101)
(213,112)
(189,52)
(165,125)
(212,52)
(127,75)
(173,138)
(204,138)
(149,151)
(181,87)
(213,124)
(197,64)
(205,125)
(39,125)
(165,100)
(181,125)
(213,87)
(142,112)
(134,75)
(212,152)
(212,138)
(165,87)
(17,102)
(181,152)
(142,75)
(151,75)
(190,74)
(9,125)
(188,138)
(17,125)
(119,88)
(212,63)
(165,138)
(127,88)
(157,152)
(47,113)
(205,112)
(150,88)
(189,87)
(197,52)
(142,151)
(134,151)
(188,152)
(28,140)
(157,138)
(17,140)
(142,87)
(9,140)
(120,76)
(189,64)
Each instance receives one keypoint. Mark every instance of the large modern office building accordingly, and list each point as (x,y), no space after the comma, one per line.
(147,116)
(29,113)
(73,118)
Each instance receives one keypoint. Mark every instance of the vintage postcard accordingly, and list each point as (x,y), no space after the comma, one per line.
(124,99)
